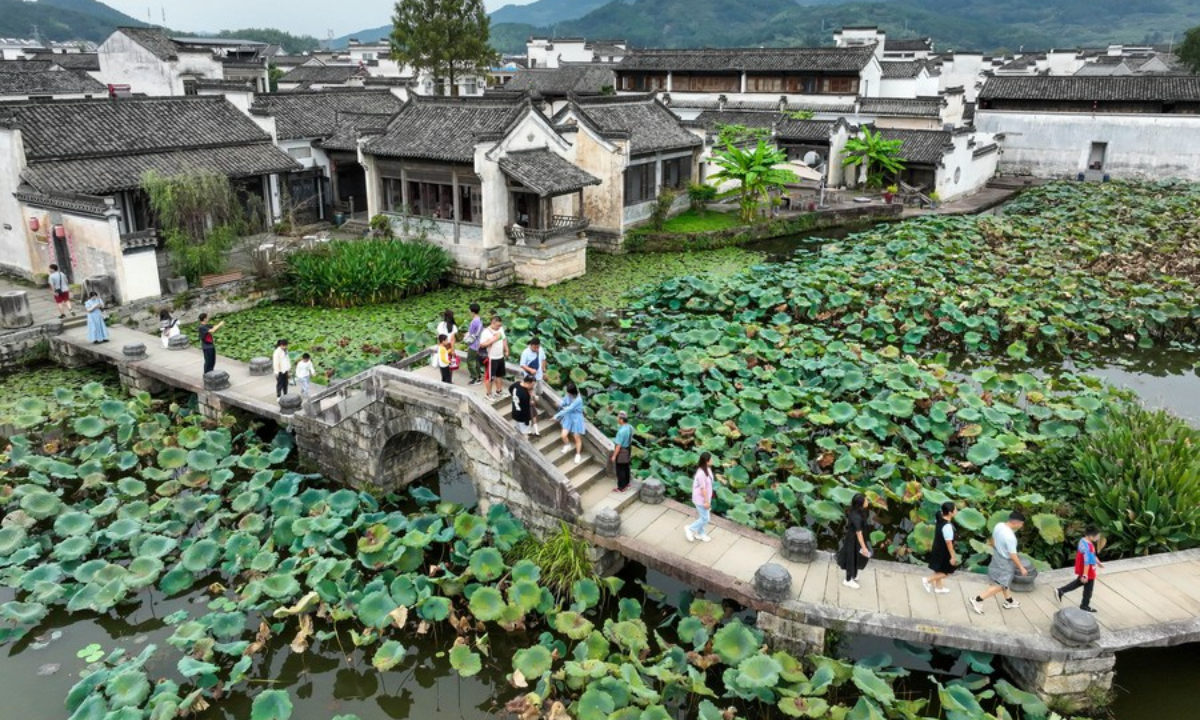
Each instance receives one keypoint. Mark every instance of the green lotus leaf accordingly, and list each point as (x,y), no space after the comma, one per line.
(487,604)
(281,586)
(92,708)
(692,631)
(842,412)
(128,690)
(155,546)
(190,667)
(465,661)
(112,409)
(734,643)
(487,564)
(90,426)
(131,487)
(983,452)
(803,707)
(28,422)
(40,504)
(526,570)
(921,537)
(343,502)
(594,704)
(271,705)
(172,458)
(11,538)
(959,699)
(200,555)
(123,529)
(389,655)
(72,549)
(524,594)
(434,609)
(201,460)
(190,438)
(177,580)
(374,608)
(143,572)
(533,662)
(572,624)
(1031,704)
(629,634)
(872,685)
(654,712)
(226,626)
(824,510)
(586,594)
(374,539)
(31,406)
(22,613)
(1049,527)
(758,671)
(970,519)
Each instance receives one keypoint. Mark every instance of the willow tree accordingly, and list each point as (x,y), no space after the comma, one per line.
(200,217)
(446,38)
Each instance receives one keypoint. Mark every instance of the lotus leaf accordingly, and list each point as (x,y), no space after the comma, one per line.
(271,705)
(200,555)
(629,634)
(143,572)
(201,460)
(871,684)
(40,504)
(524,594)
(190,667)
(1031,704)
(281,586)
(594,704)
(487,604)
(572,624)
(374,609)
(532,662)
(123,529)
(824,510)
(971,519)
(128,690)
(983,452)
(466,662)
(22,613)
(1049,527)
(389,655)
(92,708)
(758,671)
(374,539)
(156,546)
(90,426)
(525,570)
(586,593)
(12,537)
(734,643)
(434,609)
(177,580)
(487,564)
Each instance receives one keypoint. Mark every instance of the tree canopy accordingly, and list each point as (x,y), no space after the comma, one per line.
(754,169)
(872,151)
(1189,49)
(448,38)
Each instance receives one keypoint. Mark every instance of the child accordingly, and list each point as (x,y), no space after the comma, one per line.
(1086,563)
(943,560)
(304,374)
(445,343)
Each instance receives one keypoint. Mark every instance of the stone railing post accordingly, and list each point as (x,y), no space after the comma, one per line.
(773,582)
(15,311)
(799,545)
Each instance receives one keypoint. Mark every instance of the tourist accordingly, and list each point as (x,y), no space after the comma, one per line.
(495,344)
(942,560)
(702,494)
(1004,564)
(1086,563)
(168,327)
(521,393)
(854,552)
(448,327)
(304,374)
(443,358)
(570,417)
(475,356)
(61,287)
(96,330)
(207,345)
(281,362)
(533,362)
(622,450)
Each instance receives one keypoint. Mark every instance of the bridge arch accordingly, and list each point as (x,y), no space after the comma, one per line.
(411,447)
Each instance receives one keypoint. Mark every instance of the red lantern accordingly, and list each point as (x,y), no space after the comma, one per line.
(34,224)
(60,231)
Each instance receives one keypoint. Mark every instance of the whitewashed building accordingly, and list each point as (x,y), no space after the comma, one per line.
(150,62)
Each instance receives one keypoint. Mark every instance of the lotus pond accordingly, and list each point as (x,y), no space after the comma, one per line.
(156,565)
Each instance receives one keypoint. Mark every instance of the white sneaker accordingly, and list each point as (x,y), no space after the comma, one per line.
(578,458)
(942,591)
(925,584)
(706,538)
(691,536)
(1010,604)
(851,584)
(565,449)
(976,605)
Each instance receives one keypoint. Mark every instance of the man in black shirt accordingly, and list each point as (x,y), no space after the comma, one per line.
(522,403)
(207,346)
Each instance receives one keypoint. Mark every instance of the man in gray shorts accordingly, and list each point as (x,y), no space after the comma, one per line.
(1004,565)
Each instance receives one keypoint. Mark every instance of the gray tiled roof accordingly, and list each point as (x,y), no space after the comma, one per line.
(898,70)
(153,39)
(350,126)
(849,59)
(908,44)
(920,107)
(25,66)
(648,124)
(70,61)
(444,128)
(712,119)
(49,82)
(87,128)
(578,78)
(101,175)
(314,114)
(1143,88)
(804,130)
(922,147)
(322,74)
(545,173)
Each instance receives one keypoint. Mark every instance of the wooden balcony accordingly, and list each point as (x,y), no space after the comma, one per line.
(560,225)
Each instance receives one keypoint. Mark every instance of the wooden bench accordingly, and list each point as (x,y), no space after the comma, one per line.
(207,281)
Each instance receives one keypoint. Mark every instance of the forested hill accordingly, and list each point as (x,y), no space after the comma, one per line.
(61,19)
(987,25)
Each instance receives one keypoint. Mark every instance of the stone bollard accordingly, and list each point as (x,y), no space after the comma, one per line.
(652,492)
(1075,628)
(178,342)
(102,285)
(773,582)
(216,380)
(608,523)
(15,311)
(177,285)
(134,351)
(1024,583)
(799,545)
(260,366)
(290,404)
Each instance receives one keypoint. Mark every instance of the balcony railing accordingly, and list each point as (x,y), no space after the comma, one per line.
(559,225)
(139,239)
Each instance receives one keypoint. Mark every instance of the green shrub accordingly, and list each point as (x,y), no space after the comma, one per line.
(348,273)
(1141,480)
(700,195)
(662,207)
(563,558)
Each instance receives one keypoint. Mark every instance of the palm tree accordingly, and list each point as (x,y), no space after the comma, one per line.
(872,150)
(755,171)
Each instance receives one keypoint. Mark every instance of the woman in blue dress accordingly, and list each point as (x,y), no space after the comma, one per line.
(97,332)
(570,416)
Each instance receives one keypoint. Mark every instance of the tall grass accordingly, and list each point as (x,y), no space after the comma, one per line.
(563,558)
(349,273)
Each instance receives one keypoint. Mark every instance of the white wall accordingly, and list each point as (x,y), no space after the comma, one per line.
(141,275)
(14,248)
(1057,144)
(964,70)
(962,173)
(544,53)
(125,62)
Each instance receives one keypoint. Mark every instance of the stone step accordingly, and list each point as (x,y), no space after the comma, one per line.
(588,474)
(604,495)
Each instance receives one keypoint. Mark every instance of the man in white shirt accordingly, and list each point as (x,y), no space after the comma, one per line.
(281,362)
(495,344)
(304,373)
(61,287)
(1004,565)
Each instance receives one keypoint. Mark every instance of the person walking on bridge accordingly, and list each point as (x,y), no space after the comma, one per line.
(1004,565)
(854,553)
(622,450)
(281,363)
(943,561)
(61,287)
(702,494)
(1086,563)
(570,417)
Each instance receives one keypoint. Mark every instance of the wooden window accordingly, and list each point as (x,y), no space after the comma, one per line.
(763,84)
(677,172)
(839,85)
(643,82)
(639,184)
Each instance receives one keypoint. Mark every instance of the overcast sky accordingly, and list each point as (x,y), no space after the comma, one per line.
(306,17)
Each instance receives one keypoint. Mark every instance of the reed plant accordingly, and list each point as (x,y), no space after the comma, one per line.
(350,273)
(563,558)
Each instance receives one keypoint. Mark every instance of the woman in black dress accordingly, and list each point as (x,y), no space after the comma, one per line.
(942,560)
(855,552)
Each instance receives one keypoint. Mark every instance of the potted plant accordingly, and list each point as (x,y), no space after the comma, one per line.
(889,193)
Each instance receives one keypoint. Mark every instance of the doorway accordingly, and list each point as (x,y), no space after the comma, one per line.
(1096,156)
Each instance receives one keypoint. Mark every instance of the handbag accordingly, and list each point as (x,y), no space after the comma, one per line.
(453,361)
(624,455)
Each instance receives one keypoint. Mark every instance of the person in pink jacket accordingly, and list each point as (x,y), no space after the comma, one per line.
(702,494)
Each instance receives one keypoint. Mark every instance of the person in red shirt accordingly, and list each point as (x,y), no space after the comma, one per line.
(1086,563)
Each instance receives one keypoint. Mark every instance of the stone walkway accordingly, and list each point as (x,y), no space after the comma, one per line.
(41,301)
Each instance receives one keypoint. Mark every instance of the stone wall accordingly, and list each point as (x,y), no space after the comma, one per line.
(1066,685)
(186,307)
(792,636)
(30,345)
(543,266)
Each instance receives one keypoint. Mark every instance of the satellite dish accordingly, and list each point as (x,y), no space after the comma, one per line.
(812,159)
